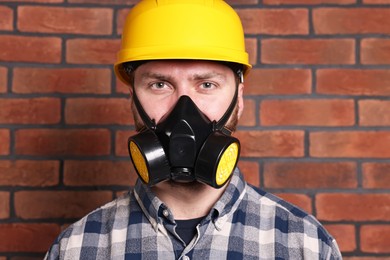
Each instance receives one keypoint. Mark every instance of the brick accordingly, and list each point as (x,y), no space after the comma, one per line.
(374,112)
(61,142)
(3,79)
(58,204)
(248,117)
(40,49)
(4,204)
(278,82)
(30,111)
(302,201)
(375,51)
(352,144)
(310,175)
(99,173)
(98,111)
(5,140)
(353,82)
(308,2)
(7,17)
(344,235)
(376,175)
(375,238)
(116,2)
(120,19)
(376,2)
(308,51)
(121,87)
(251,172)
(27,237)
(275,21)
(29,173)
(72,80)
(276,143)
(308,112)
(351,20)
(353,207)
(92,51)
(92,21)
(121,138)
(251,48)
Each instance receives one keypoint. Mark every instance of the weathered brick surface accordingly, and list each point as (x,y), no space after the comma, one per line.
(375,238)
(98,111)
(3,79)
(96,21)
(313,51)
(73,80)
(99,173)
(57,142)
(5,140)
(364,144)
(326,112)
(58,204)
(311,175)
(28,237)
(354,82)
(29,173)
(274,21)
(278,82)
(271,143)
(30,111)
(374,112)
(4,204)
(376,175)
(40,49)
(353,207)
(7,18)
(351,21)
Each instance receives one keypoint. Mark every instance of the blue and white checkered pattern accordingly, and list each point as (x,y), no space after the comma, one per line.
(244,224)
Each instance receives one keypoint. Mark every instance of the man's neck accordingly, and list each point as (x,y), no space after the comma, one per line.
(188,200)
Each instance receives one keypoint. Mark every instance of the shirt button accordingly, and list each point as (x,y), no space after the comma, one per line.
(165,213)
(186,258)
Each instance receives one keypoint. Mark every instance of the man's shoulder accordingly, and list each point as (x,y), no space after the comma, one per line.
(285,213)
(102,219)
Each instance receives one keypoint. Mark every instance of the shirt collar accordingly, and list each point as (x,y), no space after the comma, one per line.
(152,206)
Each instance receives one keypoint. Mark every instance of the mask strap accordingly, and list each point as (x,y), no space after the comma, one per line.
(222,122)
(150,123)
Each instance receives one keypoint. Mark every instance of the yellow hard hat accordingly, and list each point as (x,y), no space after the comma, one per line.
(182,29)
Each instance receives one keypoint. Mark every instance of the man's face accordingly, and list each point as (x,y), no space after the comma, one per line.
(211,85)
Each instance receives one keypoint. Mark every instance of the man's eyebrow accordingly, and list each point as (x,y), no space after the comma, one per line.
(208,75)
(154,75)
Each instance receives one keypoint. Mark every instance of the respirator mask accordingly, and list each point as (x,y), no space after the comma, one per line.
(185,145)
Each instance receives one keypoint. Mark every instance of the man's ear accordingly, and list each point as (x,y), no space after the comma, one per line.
(240,99)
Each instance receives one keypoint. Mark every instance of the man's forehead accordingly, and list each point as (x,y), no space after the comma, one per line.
(192,69)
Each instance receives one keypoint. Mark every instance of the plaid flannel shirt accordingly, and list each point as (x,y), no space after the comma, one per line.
(245,223)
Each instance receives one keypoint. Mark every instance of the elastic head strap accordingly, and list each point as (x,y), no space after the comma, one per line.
(149,123)
(222,122)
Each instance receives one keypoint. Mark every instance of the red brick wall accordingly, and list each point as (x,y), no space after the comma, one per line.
(316,129)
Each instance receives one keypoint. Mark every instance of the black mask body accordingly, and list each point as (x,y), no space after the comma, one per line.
(184,146)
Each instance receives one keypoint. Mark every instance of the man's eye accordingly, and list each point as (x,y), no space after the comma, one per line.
(207,85)
(158,85)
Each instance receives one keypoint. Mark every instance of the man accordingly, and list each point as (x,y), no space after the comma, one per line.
(184,61)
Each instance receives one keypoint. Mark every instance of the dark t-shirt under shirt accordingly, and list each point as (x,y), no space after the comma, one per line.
(186,229)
